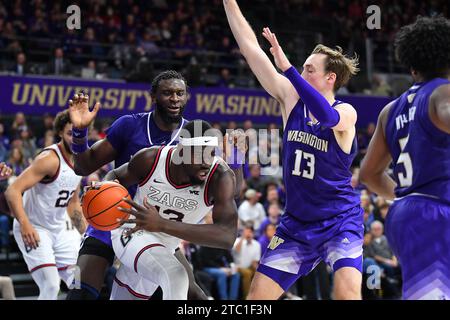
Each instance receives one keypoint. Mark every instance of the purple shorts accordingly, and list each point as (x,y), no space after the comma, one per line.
(418,231)
(298,247)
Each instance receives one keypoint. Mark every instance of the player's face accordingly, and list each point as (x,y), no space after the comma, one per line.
(66,137)
(201,159)
(314,71)
(171,99)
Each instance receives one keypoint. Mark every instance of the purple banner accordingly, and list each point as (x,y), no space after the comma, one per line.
(38,95)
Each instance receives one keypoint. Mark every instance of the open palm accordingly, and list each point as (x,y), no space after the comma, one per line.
(80,115)
(281,61)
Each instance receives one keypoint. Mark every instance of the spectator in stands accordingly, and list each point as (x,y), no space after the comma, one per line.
(28,144)
(380,251)
(380,87)
(17,161)
(274,214)
(251,211)
(246,253)
(225,80)
(4,143)
(256,181)
(59,65)
(21,67)
(267,234)
(219,264)
(19,124)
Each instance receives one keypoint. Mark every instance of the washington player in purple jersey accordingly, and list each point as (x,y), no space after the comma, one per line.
(323,219)
(125,137)
(413,132)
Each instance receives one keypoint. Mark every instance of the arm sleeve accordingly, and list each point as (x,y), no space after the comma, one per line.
(116,133)
(315,102)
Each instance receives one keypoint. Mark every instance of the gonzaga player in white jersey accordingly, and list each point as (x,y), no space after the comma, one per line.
(178,186)
(40,228)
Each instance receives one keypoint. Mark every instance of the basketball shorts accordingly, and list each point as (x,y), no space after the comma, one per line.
(418,231)
(129,249)
(92,246)
(56,248)
(298,247)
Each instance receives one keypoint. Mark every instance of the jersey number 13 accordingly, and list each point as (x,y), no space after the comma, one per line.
(308,168)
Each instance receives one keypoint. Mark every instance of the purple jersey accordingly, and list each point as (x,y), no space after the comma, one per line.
(420,151)
(128,135)
(316,171)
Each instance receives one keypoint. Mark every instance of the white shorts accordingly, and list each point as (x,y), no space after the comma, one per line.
(128,251)
(59,249)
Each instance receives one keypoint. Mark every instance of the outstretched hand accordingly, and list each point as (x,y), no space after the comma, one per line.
(5,171)
(281,61)
(80,115)
(146,217)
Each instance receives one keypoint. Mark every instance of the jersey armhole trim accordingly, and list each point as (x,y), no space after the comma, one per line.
(47,180)
(152,170)
(172,183)
(205,194)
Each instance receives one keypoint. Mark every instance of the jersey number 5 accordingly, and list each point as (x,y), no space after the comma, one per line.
(308,170)
(405,178)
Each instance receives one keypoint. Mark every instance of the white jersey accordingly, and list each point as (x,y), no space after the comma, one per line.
(184,203)
(46,202)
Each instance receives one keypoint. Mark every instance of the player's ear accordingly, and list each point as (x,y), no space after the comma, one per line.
(331,77)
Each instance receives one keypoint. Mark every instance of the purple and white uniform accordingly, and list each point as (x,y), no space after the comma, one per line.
(418,223)
(323,219)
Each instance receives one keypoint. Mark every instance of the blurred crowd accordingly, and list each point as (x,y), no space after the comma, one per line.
(135,39)
(227,274)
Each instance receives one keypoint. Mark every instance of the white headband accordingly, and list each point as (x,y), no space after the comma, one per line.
(200,141)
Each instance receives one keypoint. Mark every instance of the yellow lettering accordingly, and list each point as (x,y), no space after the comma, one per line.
(204,102)
(219,104)
(133,95)
(245,103)
(232,103)
(25,93)
(51,96)
(148,100)
(123,95)
(111,99)
(64,95)
(38,94)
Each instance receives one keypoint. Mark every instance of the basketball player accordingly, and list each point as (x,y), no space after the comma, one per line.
(178,186)
(323,219)
(47,185)
(413,132)
(5,171)
(125,137)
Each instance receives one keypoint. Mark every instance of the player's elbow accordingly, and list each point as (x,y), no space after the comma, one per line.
(365,175)
(81,171)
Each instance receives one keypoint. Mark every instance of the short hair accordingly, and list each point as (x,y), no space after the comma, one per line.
(61,119)
(166,75)
(424,46)
(344,67)
(195,128)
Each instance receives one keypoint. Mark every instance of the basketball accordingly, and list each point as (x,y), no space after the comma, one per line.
(100,205)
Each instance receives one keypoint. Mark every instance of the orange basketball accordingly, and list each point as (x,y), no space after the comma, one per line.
(100,205)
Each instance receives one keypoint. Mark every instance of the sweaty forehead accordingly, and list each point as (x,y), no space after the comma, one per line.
(172,84)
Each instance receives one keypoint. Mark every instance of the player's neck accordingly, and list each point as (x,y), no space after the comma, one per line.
(163,124)
(68,155)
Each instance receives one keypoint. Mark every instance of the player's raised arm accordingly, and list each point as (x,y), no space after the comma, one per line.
(373,167)
(46,164)
(273,82)
(440,108)
(87,160)
(341,118)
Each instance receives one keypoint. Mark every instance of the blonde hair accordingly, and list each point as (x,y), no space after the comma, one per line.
(344,67)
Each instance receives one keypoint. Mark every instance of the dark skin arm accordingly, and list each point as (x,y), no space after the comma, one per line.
(439,108)
(221,234)
(373,167)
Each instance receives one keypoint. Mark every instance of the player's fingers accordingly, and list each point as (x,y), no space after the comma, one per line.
(126,210)
(96,108)
(127,221)
(134,204)
(70,103)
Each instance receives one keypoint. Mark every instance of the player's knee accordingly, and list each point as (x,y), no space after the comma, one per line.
(48,290)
